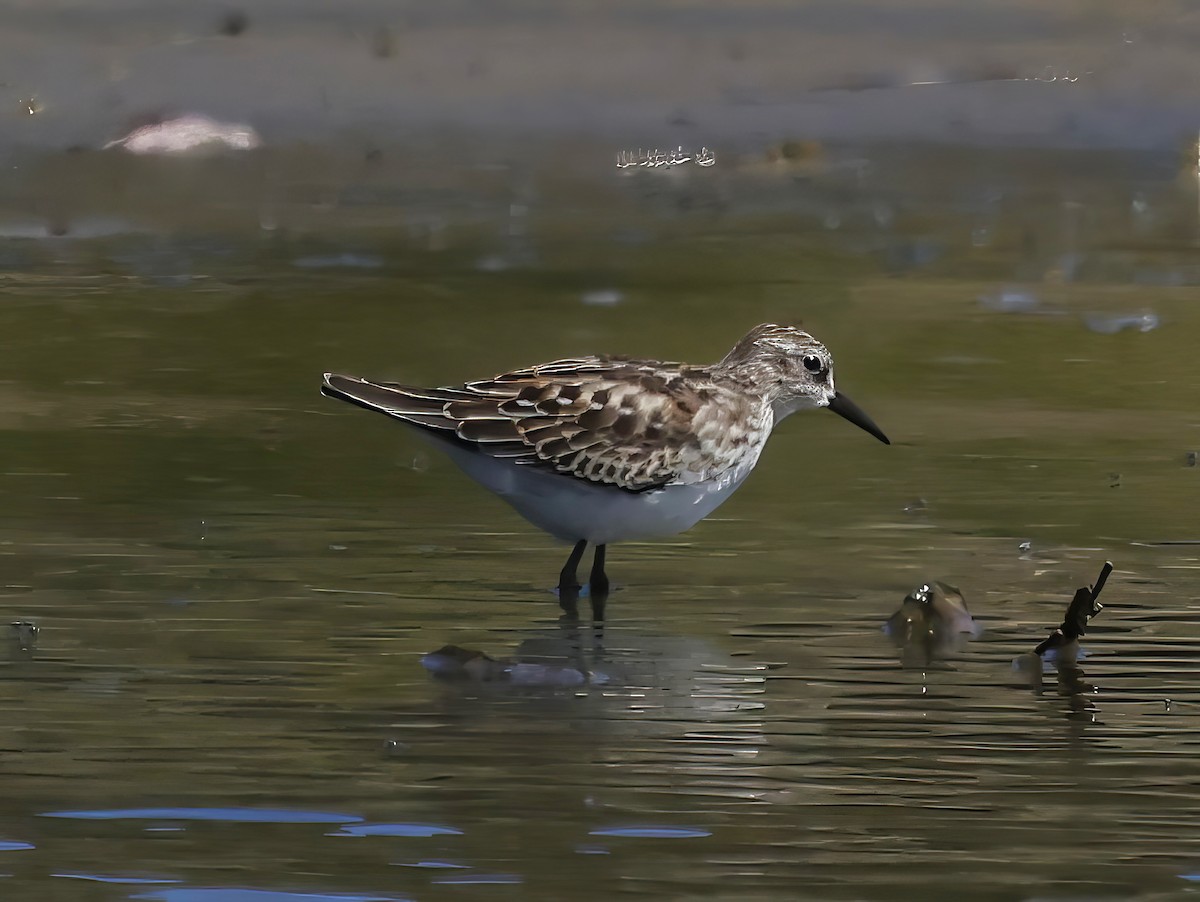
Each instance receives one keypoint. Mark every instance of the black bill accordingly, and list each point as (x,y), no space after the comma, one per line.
(847,409)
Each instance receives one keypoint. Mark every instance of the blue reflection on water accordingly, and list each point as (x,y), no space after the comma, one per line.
(242,815)
(648,832)
(429,864)
(10,845)
(396,830)
(241,894)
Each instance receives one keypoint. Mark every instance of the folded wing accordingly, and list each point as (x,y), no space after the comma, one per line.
(630,424)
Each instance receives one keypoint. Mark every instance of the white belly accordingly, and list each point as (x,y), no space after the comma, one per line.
(571,509)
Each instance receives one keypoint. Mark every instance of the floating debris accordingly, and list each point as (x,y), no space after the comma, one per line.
(1064,640)
(1189,459)
(1111,324)
(192,132)
(933,622)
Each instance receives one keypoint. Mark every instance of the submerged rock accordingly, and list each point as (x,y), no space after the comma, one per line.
(933,622)
(25,634)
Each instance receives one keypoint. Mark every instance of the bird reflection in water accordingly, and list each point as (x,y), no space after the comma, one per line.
(569,657)
(570,596)
(1062,648)
(1073,686)
(452,662)
(22,641)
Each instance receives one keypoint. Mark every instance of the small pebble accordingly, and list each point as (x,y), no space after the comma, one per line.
(393,748)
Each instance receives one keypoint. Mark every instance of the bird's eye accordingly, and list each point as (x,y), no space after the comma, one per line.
(812,363)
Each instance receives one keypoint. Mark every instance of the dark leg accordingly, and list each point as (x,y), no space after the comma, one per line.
(568,584)
(598,584)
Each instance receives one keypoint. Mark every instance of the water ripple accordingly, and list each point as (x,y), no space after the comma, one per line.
(396,830)
(237,815)
(651,832)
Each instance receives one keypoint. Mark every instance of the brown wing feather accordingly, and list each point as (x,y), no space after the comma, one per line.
(630,424)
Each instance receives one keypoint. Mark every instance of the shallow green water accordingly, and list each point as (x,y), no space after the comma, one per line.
(235,580)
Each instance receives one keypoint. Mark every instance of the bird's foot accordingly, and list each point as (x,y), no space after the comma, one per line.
(598,594)
(568,598)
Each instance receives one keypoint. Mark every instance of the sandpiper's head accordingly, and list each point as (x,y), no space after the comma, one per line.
(796,372)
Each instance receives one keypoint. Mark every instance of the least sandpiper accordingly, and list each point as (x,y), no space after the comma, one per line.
(608,449)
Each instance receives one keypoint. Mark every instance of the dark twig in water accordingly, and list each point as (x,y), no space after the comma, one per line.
(1084,606)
